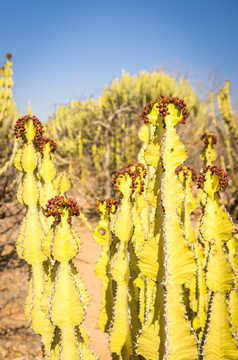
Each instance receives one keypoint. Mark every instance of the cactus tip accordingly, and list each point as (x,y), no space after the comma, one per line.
(162,104)
(209,136)
(108,204)
(185,170)
(8,56)
(20,129)
(58,204)
(52,144)
(218,170)
(137,172)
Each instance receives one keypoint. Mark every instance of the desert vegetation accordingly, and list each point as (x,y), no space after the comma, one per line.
(144,168)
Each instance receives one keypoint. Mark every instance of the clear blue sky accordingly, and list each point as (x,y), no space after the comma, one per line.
(66,50)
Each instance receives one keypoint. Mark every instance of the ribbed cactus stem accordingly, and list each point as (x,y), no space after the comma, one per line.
(103,236)
(126,324)
(6,83)
(208,154)
(29,129)
(152,336)
(219,341)
(175,263)
(180,263)
(68,298)
(47,171)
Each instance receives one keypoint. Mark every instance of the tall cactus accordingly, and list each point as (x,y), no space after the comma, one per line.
(68,297)
(216,229)
(103,236)
(129,182)
(55,316)
(30,130)
(165,260)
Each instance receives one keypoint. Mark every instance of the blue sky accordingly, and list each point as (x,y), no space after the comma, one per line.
(67,50)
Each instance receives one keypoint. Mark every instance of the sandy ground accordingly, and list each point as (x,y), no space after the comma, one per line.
(17,340)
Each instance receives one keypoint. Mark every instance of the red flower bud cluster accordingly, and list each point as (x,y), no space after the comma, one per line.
(52,144)
(20,130)
(39,140)
(137,172)
(162,105)
(185,170)
(56,206)
(9,56)
(218,170)
(110,204)
(208,135)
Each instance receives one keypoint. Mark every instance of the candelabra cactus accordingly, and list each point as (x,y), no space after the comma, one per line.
(30,130)
(169,292)
(48,247)
(173,280)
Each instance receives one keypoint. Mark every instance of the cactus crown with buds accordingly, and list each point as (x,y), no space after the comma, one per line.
(218,170)
(110,205)
(136,172)
(186,170)
(162,105)
(20,129)
(208,135)
(58,204)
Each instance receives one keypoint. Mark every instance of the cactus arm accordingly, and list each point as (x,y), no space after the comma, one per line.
(226,111)
(208,154)
(120,337)
(47,171)
(29,247)
(130,182)
(62,184)
(220,344)
(233,309)
(180,263)
(68,297)
(186,175)
(102,235)
(219,341)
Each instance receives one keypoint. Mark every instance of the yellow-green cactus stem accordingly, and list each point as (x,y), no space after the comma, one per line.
(47,170)
(103,236)
(129,182)
(29,129)
(62,184)
(208,154)
(232,246)
(180,265)
(68,298)
(6,83)
(148,341)
(224,104)
(186,175)
(118,151)
(216,229)
(96,157)
(195,289)
(174,262)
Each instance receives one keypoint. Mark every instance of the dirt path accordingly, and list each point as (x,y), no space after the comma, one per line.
(17,341)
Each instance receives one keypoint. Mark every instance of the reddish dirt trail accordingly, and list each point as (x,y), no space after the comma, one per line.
(17,341)
(85,263)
